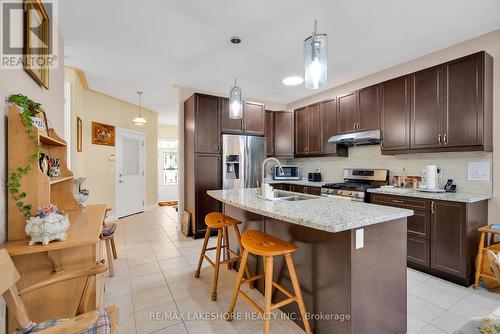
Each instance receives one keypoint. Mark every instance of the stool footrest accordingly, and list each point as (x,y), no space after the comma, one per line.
(250,300)
(212,248)
(282,289)
(284,302)
(251,279)
(234,259)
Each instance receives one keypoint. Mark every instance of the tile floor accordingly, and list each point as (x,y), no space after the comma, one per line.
(154,276)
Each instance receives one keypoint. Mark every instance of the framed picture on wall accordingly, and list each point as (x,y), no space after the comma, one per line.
(79,146)
(37,41)
(103,134)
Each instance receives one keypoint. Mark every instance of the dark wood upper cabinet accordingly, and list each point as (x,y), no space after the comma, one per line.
(228,125)
(314,130)
(254,119)
(463,112)
(395,114)
(283,134)
(301,131)
(329,125)
(269,133)
(207,124)
(369,108)
(426,108)
(347,112)
(451,108)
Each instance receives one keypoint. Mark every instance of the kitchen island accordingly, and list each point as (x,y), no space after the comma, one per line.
(351,258)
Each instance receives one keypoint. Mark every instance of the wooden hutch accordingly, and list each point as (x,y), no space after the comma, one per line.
(82,249)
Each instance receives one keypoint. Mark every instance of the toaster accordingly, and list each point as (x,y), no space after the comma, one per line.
(314,177)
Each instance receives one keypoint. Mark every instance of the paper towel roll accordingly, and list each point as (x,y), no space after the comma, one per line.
(432,177)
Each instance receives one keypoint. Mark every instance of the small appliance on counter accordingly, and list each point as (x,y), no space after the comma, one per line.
(289,172)
(430,179)
(314,176)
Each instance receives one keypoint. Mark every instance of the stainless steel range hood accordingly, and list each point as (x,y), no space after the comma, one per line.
(357,138)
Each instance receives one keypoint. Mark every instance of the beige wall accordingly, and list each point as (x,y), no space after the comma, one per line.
(94,163)
(455,163)
(167,131)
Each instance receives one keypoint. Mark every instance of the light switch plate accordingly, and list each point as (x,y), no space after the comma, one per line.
(360,238)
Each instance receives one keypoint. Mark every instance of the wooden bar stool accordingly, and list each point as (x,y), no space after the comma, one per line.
(221,222)
(108,236)
(483,268)
(262,244)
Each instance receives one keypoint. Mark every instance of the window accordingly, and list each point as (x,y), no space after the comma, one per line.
(169,154)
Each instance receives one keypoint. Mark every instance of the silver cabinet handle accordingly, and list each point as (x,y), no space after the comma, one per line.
(445,138)
(397,201)
(439,139)
(432,207)
(305,190)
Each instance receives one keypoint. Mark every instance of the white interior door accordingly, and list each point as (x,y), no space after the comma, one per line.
(130,179)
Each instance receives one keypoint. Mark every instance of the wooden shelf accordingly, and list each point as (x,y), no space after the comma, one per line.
(51,141)
(57,179)
(85,228)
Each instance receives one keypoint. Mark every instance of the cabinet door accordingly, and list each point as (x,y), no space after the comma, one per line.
(283,134)
(463,116)
(269,133)
(229,125)
(448,238)
(314,130)
(395,114)
(207,124)
(426,108)
(329,125)
(301,131)
(347,112)
(254,119)
(369,108)
(208,177)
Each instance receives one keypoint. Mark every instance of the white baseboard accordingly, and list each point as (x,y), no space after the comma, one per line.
(150,207)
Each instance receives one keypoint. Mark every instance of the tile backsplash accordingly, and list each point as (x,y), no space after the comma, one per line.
(453,165)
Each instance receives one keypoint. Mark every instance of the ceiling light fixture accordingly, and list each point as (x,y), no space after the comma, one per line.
(235,102)
(292,81)
(315,59)
(139,120)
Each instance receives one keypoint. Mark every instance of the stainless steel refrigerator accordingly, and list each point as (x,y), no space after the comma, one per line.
(242,158)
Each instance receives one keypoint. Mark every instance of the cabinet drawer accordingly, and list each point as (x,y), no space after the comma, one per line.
(418,251)
(402,202)
(419,224)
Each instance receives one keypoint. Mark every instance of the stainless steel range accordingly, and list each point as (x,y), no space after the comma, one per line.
(356,183)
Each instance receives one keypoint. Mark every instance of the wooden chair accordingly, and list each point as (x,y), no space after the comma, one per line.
(108,237)
(9,277)
(262,244)
(484,270)
(221,222)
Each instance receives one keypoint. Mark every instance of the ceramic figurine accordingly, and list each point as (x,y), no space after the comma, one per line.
(81,195)
(48,224)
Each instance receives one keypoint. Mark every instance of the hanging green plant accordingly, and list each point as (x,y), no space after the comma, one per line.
(29,109)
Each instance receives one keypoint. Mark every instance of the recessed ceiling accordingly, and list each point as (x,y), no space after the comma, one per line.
(124,46)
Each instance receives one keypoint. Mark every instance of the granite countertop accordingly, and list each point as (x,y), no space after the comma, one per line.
(322,213)
(300,183)
(452,197)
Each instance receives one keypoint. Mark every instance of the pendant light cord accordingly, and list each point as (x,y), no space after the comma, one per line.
(140,103)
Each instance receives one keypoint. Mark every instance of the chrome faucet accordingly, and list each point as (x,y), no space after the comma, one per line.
(264,170)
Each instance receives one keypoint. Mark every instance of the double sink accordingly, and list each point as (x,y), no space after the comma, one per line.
(281,195)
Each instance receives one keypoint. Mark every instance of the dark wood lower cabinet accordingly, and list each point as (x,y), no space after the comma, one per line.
(298,188)
(442,235)
(208,177)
